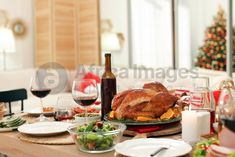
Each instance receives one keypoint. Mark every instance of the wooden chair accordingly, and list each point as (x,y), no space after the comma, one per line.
(13,95)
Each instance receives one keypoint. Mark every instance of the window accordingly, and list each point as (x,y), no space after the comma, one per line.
(151,33)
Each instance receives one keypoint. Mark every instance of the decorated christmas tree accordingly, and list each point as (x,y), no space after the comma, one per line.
(212,55)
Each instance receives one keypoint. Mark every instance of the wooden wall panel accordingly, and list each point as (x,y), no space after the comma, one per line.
(64,33)
(43,40)
(67,32)
(88,32)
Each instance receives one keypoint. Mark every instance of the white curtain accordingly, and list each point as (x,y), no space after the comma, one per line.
(184,38)
(151,33)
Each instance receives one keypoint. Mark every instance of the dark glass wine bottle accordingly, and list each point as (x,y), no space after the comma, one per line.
(108,87)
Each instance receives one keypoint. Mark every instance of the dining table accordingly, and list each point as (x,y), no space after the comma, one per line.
(12,146)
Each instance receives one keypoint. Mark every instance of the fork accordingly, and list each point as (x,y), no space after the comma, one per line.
(160,149)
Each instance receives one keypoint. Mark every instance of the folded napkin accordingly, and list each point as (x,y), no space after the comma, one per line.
(89,75)
(145,129)
(179,92)
(149,128)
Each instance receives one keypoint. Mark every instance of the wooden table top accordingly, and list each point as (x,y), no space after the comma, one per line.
(14,147)
(11,145)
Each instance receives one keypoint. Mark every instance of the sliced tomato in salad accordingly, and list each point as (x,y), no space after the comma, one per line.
(97,102)
(89,110)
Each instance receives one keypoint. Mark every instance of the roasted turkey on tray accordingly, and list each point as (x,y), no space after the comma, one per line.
(152,101)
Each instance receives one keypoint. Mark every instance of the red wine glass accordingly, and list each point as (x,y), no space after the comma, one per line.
(39,89)
(85,93)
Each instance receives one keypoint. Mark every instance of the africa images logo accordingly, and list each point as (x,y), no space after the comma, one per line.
(54,76)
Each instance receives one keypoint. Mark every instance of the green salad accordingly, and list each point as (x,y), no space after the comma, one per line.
(96,136)
(11,121)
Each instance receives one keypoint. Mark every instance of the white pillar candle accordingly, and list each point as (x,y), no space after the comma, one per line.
(203,122)
(189,126)
(194,124)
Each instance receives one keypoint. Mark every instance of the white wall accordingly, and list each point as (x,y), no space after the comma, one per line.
(116,11)
(24,56)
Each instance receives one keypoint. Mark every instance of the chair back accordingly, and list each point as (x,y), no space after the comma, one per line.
(14,95)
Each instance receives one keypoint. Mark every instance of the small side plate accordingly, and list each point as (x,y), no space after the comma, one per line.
(44,128)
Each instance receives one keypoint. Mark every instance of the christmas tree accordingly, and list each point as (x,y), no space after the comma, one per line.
(212,55)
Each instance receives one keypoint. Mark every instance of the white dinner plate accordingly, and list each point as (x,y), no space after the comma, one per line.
(143,147)
(44,128)
(37,111)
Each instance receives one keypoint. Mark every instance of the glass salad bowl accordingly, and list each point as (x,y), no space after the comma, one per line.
(97,136)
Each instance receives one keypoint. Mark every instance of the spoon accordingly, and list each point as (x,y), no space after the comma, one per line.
(160,149)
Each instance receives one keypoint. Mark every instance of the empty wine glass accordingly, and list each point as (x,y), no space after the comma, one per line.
(85,93)
(63,109)
(200,95)
(39,89)
(202,98)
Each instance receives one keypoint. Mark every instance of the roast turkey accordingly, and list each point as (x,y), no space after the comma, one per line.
(151,101)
